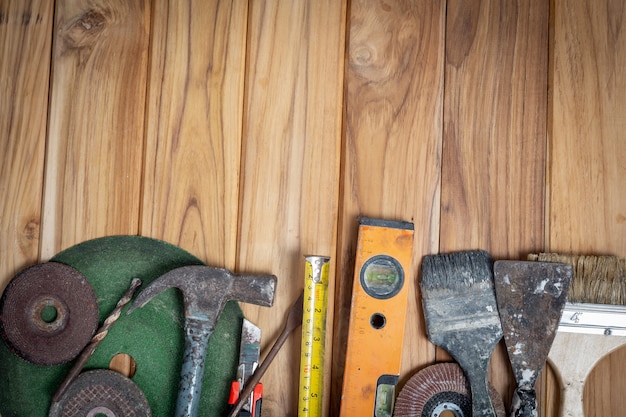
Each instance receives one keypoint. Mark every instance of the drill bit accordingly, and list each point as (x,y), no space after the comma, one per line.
(96,339)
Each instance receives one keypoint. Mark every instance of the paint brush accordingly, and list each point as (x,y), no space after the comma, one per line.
(592,324)
(461,316)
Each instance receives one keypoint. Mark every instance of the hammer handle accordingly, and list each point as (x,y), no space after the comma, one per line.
(197,334)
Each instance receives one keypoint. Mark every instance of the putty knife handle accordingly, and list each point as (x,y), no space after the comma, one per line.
(524,403)
(197,334)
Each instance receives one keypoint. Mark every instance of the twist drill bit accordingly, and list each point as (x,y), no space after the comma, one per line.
(96,339)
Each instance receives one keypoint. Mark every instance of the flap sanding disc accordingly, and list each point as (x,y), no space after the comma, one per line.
(48,313)
(102,392)
(437,389)
(152,335)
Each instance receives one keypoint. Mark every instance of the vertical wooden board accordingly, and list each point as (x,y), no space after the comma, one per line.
(587,172)
(95,140)
(289,188)
(494,144)
(392,150)
(25,48)
(587,148)
(194,120)
(605,387)
(550,393)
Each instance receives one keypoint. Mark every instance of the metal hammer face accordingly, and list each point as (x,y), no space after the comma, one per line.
(205,293)
(206,290)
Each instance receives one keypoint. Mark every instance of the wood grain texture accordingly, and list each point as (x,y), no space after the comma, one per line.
(494,146)
(290,175)
(587,148)
(606,385)
(25,47)
(587,152)
(194,125)
(95,140)
(228,128)
(391,155)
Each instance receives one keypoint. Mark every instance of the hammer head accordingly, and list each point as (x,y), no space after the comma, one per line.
(206,290)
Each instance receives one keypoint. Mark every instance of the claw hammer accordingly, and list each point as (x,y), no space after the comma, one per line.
(205,292)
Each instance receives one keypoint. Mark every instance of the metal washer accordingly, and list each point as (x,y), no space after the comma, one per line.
(71,304)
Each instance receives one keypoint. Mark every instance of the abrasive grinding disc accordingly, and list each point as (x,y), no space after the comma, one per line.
(48,313)
(153,335)
(437,389)
(102,392)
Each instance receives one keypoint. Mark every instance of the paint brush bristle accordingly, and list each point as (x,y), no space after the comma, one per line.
(457,270)
(596,279)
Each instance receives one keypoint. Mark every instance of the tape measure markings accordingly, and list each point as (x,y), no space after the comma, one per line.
(310,398)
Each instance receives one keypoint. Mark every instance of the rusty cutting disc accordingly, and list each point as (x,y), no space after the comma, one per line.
(437,389)
(102,392)
(48,313)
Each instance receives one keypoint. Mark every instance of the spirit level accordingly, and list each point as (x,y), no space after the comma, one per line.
(377,318)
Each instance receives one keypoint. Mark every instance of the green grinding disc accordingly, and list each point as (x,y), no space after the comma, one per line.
(152,335)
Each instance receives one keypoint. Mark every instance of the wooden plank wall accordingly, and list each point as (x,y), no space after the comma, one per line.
(253,133)
(586,211)
(493,165)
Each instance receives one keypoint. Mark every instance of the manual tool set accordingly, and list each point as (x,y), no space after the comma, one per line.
(547,308)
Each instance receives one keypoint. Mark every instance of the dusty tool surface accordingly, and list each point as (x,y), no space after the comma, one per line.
(206,291)
(440,390)
(48,313)
(102,392)
(153,336)
(461,315)
(531,297)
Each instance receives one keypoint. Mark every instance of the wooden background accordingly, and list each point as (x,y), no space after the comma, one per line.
(253,132)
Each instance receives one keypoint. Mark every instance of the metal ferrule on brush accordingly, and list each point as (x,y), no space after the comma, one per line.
(597,319)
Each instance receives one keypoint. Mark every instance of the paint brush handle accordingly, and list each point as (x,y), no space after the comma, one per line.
(524,403)
(481,401)
(571,399)
(476,372)
(574,355)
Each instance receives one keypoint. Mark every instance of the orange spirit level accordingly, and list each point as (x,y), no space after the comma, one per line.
(377,317)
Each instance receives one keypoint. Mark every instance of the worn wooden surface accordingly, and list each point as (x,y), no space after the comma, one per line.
(587,172)
(25,45)
(253,133)
(392,136)
(94,148)
(493,168)
(289,183)
(193,128)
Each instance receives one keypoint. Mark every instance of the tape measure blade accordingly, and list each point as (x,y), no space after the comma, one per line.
(311,390)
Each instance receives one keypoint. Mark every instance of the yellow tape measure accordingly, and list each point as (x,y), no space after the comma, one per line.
(310,401)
